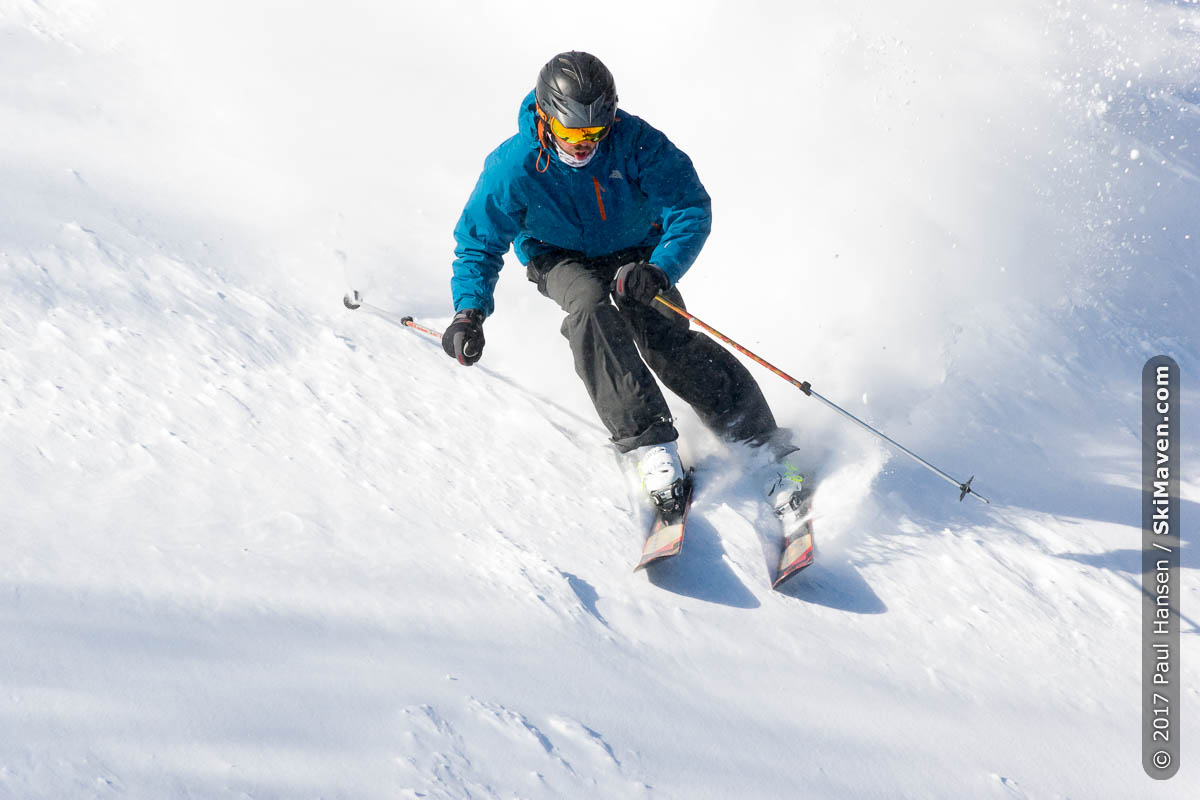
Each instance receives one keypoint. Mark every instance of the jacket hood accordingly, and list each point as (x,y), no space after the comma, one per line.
(527,119)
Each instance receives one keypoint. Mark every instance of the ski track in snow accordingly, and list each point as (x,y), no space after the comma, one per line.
(260,546)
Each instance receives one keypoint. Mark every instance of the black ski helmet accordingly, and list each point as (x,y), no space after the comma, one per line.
(578,90)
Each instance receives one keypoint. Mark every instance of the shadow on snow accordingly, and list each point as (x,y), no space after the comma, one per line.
(702,570)
(835,584)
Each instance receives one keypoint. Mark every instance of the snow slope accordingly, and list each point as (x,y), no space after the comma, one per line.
(257,545)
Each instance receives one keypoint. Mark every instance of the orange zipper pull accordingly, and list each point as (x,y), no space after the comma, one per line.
(599,198)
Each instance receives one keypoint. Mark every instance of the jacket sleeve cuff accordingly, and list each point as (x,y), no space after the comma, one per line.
(484,307)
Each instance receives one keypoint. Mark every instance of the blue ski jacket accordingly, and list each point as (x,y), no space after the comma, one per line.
(638,190)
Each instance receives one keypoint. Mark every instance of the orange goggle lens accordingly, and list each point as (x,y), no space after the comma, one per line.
(577,135)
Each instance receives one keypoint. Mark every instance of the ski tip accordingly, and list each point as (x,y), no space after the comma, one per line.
(784,577)
(798,554)
(352,299)
(655,558)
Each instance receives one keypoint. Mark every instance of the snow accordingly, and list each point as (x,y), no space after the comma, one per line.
(258,545)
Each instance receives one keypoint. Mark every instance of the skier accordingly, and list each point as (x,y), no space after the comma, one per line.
(605,213)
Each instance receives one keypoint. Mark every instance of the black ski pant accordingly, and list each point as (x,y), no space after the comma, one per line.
(606,337)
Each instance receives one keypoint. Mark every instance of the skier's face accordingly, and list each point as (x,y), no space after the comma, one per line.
(578,150)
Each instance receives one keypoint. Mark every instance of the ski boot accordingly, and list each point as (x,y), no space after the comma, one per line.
(787,492)
(662,476)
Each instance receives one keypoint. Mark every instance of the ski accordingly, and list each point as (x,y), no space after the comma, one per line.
(666,535)
(798,549)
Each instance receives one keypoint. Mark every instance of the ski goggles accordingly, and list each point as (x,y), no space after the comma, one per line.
(577,135)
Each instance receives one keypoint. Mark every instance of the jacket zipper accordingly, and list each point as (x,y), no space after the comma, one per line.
(599,198)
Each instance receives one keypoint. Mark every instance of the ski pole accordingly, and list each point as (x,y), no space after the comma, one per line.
(353,301)
(804,386)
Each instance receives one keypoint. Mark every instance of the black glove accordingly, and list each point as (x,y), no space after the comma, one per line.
(464,338)
(639,282)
